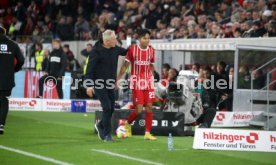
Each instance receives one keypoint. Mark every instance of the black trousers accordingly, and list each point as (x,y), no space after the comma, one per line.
(56,82)
(207,117)
(4,105)
(107,99)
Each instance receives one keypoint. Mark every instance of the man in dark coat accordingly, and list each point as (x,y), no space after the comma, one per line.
(102,70)
(55,69)
(11,61)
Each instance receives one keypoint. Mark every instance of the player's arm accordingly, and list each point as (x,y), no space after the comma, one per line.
(123,69)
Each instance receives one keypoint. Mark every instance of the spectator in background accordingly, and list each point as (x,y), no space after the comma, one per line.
(46,34)
(55,69)
(208,97)
(195,67)
(228,101)
(48,22)
(266,16)
(70,28)
(225,9)
(151,16)
(247,29)
(228,31)
(72,63)
(216,31)
(137,14)
(45,60)
(165,70)
(36,35)
(15,27)
(258,79)
(64,30)
(172,77)
(39,56)
(213,69)
(223,91)
(66,8)
(86,53)
(33,9)
(231,75)
(271,29)
(81,26)
(199,82)
(51,9)
(28,27)
(8,17)
(192,32)
(257,30)
(98,26)
(255,15)
(237,33)
(244,78)
(20,11)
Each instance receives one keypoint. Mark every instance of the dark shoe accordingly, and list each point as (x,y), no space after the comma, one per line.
(108,138)
(203,125)
(1,129)
(100,132)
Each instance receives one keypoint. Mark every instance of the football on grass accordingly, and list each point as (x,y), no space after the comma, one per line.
(121,132)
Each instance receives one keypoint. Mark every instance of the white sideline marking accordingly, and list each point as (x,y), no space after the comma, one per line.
(140,149)
(34,155)
(127,157)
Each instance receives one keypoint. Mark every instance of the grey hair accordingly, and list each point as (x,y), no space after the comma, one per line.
(108,34)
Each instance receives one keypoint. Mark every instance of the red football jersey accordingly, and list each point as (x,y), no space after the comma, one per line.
(141,71)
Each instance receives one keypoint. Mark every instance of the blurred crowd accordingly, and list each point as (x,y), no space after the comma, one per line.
(167,19)
(216,97)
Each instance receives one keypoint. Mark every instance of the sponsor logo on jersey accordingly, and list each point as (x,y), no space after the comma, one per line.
(142,62)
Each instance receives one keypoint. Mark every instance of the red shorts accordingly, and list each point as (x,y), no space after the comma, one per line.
(143,96)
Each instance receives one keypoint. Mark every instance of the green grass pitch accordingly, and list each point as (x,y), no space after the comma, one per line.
(68,137)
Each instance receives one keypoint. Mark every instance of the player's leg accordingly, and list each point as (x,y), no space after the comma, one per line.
(138,102)
(149,99)
(133,115)
(148,117)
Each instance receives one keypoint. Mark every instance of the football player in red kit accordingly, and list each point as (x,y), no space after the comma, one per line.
(141,58)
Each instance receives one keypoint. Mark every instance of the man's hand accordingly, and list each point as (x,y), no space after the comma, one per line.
(121,73)
(90,91)
(117,84)
(224,97)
